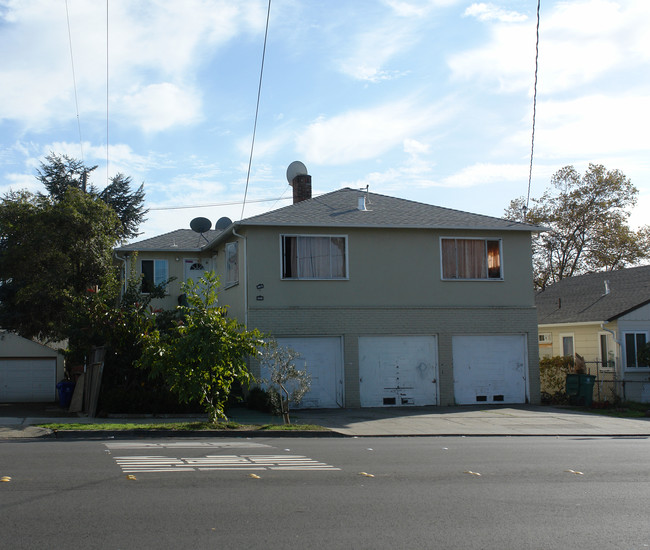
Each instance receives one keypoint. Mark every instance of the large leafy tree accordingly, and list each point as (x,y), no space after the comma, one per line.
(586,217)
(60,172)
(205,353)
(50,252)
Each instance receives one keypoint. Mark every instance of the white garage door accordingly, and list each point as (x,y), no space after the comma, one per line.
(398,371)
(27,380)
(489,369)
(323,359)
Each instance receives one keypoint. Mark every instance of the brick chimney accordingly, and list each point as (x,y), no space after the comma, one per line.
(301,188)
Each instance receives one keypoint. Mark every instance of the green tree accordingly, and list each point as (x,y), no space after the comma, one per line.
(116,320)
(50,252)
(60,172)
(204,353)
(587,225)
(287,384)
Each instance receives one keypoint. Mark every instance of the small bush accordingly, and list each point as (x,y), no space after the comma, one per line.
(258,400)
(552,375)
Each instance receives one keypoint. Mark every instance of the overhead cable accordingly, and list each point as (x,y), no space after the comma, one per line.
(532,140)
(257,109)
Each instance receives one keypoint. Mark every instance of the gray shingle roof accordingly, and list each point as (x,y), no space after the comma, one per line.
(183,240)
(583,298)
(340,209)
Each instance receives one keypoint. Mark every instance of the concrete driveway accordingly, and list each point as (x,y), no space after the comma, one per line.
(19,421)
(472,421)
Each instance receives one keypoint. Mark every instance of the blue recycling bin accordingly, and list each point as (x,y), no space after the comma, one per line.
(66,388)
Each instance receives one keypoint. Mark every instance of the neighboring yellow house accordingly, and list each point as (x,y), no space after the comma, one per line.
(604,317)
(389,302)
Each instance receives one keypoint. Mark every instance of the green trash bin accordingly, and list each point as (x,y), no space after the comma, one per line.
(580,389)
(586,393)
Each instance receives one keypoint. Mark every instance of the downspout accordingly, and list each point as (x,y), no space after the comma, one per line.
(124,261)
(243,238)
(619,354)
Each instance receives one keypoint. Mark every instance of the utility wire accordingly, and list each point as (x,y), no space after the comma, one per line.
(216,204)
(257,109)
(107,153)
(74,82)
(532,139)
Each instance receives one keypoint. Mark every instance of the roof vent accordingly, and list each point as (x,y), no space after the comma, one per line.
(362,204)
(607,289)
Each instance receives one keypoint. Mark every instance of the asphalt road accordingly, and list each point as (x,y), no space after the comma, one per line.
(326,493)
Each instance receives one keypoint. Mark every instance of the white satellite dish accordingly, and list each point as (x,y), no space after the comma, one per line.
(296,168)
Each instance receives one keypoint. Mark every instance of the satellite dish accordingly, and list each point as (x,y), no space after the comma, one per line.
(200,225)
(296,168)
(222,223)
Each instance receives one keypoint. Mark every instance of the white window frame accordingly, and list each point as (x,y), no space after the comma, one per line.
(624,341)
(312,235)
(232,268)
(466,238)
(564,335)
(159,276)
(611,350)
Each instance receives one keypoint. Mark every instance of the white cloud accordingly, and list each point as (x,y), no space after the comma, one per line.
(489,12)
(152,48)
(483,174)
(593,125)
(579,42)
(158,107)
(367,133)
(373,49)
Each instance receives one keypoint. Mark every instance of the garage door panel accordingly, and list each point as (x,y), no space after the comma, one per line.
(27,380)
(489,369)
(322,357)
(397,371)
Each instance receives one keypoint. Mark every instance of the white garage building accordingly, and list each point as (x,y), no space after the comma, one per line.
(29,371)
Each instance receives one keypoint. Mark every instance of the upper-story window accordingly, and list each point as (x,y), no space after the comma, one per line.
(634,343)
(471,259)
(314,257)
(154,273)
(232,264)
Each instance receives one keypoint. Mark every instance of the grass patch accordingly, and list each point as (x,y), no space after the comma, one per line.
(178,426)
(293,427)
(627,409)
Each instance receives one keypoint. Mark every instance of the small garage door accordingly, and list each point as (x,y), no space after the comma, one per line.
(398,371)
(323,359)
(27,380)
(490,369)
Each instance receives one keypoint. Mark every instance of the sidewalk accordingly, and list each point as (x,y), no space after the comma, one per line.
(20,421)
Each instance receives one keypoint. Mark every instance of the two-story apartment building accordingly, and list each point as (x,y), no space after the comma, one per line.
(390,302)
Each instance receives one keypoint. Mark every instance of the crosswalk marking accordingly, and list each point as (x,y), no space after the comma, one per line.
(186,445)
(132,464)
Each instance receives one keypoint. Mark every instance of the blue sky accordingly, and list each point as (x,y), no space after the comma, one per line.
(428,100)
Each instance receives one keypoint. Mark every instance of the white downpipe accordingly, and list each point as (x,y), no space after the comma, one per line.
(126,270)
(243,238)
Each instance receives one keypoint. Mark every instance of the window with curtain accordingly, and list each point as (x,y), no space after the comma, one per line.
(471,258)
(154,273)
(314,257)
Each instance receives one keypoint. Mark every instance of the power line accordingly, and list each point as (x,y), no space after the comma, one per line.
(218,204)
(257,108)
(532,140)
(74,82)
(107,153)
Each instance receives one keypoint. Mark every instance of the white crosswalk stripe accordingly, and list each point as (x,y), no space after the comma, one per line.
(185,445)
(134,464)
